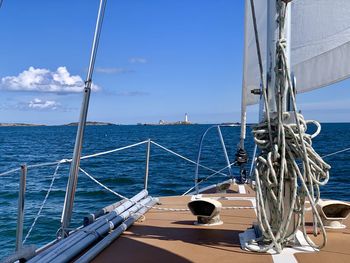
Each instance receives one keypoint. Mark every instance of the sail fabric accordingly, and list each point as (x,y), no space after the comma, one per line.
(320,44)
(251,77)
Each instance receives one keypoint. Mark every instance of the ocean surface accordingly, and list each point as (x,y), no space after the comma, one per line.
(124,171)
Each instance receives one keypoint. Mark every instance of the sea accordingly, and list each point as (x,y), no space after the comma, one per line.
(123,171)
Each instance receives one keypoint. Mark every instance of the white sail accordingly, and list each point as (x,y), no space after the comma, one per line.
(251,77)
(320,44)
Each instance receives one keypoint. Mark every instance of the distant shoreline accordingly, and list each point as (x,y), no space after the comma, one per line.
(20,125)
(88,123)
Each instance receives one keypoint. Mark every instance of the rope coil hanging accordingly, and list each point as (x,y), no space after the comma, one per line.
(284,143)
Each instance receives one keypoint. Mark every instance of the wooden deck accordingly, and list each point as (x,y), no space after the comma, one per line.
(166,236)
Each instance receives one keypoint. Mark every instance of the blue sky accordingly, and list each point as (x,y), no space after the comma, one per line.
(157,60)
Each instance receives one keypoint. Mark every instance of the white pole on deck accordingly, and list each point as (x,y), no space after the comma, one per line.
(74,168)
(244,88)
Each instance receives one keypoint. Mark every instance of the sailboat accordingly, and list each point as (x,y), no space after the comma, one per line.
(272,213)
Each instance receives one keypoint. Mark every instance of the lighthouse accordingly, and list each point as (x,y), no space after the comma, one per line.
(186,118)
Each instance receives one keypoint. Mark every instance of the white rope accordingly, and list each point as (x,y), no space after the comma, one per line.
(30,166)
(54,177)
(171,209)
(113,192)
(47,164)
(186,209)
(334,153)
(10,171)
(103,186)
(114,150)
(70,160)
(237,207)
(282,143)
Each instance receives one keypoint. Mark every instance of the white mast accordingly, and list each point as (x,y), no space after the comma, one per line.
(288,171)
(272,38)
(274,34)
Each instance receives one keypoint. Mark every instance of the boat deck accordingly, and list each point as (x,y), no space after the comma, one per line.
(166,236)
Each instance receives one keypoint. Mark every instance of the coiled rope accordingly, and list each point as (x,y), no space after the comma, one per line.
(283,141)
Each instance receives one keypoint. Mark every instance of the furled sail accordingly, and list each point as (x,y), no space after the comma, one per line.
(320,44)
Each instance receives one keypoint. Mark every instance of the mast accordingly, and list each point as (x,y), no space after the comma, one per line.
(74,168)
(275,32)
(288,171)
(273,36)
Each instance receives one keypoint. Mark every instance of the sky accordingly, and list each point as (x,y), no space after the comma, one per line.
(157,59)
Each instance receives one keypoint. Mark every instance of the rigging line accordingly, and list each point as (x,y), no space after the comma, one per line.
(208,177)
(187,159)
(261,69)
(119,195)
(10,171)
(257,43)
(34,166)
(54,177)
(70,160)
(114,150)
(102,185)
(253,161)
(37,166)
(186,209)
(47,164)
(334,153)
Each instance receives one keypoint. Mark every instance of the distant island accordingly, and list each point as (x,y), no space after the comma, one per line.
(91,123)
(20,125)
(163,122)
(88,123)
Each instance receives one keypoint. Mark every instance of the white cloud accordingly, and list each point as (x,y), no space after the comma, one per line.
(137,60)
(39,104)
(44,80)
(114,70)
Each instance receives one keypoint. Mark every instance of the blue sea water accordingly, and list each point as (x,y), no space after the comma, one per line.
(124,171)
